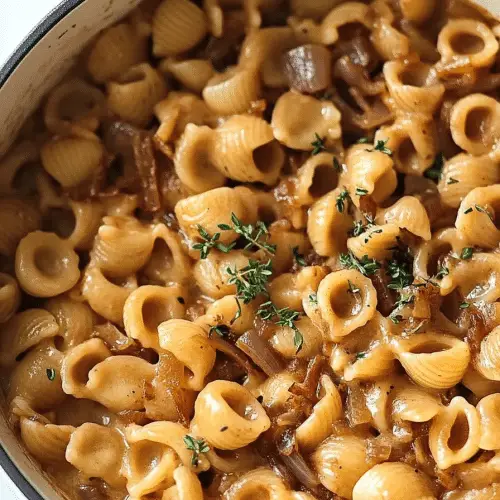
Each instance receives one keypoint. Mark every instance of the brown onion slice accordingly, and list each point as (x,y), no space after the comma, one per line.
(308,68)
(260,352)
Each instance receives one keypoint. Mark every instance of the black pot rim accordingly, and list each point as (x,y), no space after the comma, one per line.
(22,50)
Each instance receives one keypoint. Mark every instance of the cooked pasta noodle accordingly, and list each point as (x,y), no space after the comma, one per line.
(249,249)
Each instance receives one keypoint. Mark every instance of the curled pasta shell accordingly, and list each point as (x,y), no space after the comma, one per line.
(19,155)
(10,297)
(413,404)
(347,12)
(489,415)
(297,119)
(233,91)
(72,160)
(178,25)
(245,150)
(46,442)
(376,242)
(455,433)
(192,73)
(391,480)
(261,481)
(433,360)
(343,311)
(187,486)
(488,361)
(229,406)
(46,265)
(408,213)
(283,340)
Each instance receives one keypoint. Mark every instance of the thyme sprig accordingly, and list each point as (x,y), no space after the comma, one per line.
(210,242)
(197,446)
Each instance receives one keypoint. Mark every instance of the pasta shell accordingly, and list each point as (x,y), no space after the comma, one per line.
(488,362)
(192,73)
(415,405)
(489,415)
(10,297)
(376,242)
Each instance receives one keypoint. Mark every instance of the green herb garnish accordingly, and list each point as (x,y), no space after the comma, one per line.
(361,192)
(197,446)
(442,272)
(352,288)
(483,210)
(336,164)
(210,242)
(464,305)
(250,280)
(318,144)
(364,265)
(451,180)
(381,146)
(466,253)
(363,140)
(360,355)
(299,258)
(220,330)
(468,211)
(51,374)
(434,172)
(341,200)
(313,298)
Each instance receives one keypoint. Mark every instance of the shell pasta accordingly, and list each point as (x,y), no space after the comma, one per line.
(250,250)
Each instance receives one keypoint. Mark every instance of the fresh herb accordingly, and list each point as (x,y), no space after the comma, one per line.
(299,258)
(318,145)
(313,298)
(250,280)
(238,312)
(364,265)
(451,180)
(285,317)
(404,299)
(466,253)
(363,140)
(396,318)
(359,227)
(210,242)
(468,211)
(197,446)
(360,355)
(253,234)
(361,191)
(51,374)
(341,200)
(336,164)
(442,272)
(399,268)
(434,172)
(352,288)
(220,330)
(464,305)
(381,146)
(483,210)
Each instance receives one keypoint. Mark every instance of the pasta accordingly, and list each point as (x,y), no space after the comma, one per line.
(250,249)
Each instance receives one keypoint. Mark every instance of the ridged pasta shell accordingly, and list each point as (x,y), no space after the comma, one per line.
(462,173)
(394,480)
(115,50)
(489,415)
(348,12)
(488,361)
(245,150)
(46,442)
(283,340)
(233,91)
(408,213)
(25,330)
(72,160)
(191,73)
(413,86)
(259,482)
(376,242)
(433,360)
(178,25)
(227,404)
(413,404)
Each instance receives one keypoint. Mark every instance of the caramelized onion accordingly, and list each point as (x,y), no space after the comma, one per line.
(308,68)
(296,464)
(356,76)
(260,352)
(234,353)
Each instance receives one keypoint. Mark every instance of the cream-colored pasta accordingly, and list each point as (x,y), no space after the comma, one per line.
(261,481)
(244,149)
(46,265)
(114,51)
(75,319)
(147,307)
(75,109)
(455,433)
(413,404)
(327,226)
(191,73)
(192,160)
(72,160)
(376,242)
(433,360)
(312,11)
(46,442)
(97,451)
(489,415)
(21,155)
(475,123)
(417,12)
(10,297)
(488,356)
(171,434)
(479,385)
(389,42)
(463,173)
(88,217)
(467,39)
(346,301)
(476,215)
(25,330)
(283,340)
(178,25)
(187,486)
(297,120)
(212,208)
(233,91)
(228,416)
(96,285)
(318,426)
(392,481)
(18,219)
(133,95)
(339,462)
(370,171)
(183,339)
